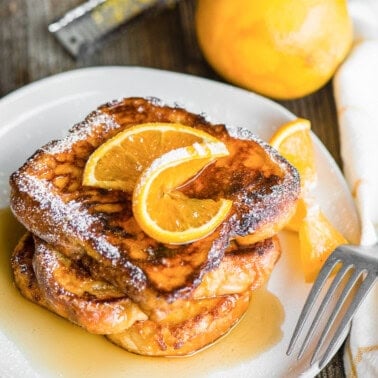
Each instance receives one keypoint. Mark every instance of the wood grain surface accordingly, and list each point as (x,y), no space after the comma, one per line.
(164,39)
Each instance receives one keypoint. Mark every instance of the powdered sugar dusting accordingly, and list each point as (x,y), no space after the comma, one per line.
(72,218)
(243,133)
(81,132)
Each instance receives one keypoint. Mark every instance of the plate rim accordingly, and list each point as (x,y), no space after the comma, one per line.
(38,85)
(17,93)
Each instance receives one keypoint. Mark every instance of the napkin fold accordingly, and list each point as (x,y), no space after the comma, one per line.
(356,93)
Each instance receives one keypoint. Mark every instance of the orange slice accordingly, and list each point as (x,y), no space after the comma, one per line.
(118,162)
(317,238)
(293,141)
(165,213)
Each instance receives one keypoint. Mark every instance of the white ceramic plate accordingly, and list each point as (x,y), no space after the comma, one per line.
(34,341)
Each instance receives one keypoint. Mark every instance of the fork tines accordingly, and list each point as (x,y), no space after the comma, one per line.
(358,267)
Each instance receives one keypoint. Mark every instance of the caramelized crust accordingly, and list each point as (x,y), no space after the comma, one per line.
(97,226)
(101,308)
(243,267)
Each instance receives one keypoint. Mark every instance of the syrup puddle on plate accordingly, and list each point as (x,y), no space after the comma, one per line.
(56,348)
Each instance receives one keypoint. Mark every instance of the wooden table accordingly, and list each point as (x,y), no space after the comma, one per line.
(164,40)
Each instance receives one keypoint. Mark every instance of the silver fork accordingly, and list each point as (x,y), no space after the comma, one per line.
(362,265)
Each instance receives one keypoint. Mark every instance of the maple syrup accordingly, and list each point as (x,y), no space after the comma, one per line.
(55,347)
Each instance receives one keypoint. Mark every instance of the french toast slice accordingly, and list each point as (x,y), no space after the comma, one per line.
(182,334)
(50,279)
(97,226)
(100,308)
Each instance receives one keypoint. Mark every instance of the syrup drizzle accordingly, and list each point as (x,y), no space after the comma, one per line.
(56,348)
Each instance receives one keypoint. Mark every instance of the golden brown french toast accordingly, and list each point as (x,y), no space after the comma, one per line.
(184,332)
(97,227)
(52,280)
(100,308)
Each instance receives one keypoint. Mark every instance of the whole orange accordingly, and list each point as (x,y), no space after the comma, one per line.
(284,49)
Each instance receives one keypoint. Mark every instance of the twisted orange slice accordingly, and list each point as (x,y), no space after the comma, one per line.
(166,155)
(166,214)
(118,162)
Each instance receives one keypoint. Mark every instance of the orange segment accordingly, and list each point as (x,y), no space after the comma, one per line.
(118,162)
(317,238)
(166,214)
(293,142)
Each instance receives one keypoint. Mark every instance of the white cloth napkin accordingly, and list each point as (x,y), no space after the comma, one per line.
(356,94)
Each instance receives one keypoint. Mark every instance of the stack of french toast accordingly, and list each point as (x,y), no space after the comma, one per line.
(86,259)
